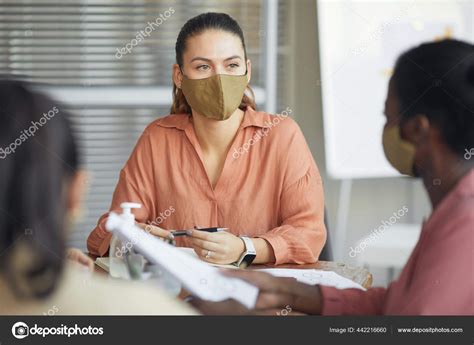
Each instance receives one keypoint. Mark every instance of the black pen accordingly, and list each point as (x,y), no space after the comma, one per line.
(178,233)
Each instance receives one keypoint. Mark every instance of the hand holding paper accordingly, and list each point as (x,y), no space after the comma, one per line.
(199,278)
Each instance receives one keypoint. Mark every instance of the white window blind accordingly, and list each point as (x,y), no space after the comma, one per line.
(69,49)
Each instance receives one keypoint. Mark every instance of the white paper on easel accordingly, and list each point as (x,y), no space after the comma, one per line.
(199,278)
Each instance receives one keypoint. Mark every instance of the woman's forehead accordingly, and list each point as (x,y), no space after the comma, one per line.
(215,45)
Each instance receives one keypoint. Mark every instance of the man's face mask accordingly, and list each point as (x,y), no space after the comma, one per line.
(400,153)
(215,97)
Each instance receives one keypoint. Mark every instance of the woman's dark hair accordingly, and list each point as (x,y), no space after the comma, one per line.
(194,27)
(437,79)
(37,155)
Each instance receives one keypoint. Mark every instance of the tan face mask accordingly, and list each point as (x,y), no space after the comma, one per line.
(400,153)
(216,97)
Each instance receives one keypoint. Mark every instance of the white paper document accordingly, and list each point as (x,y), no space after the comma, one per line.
(197,277)
(314,277)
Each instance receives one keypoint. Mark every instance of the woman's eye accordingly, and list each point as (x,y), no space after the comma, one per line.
(234,65)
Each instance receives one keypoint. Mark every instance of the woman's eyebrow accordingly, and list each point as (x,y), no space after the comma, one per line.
(200,58)
(233,57)
(209,60)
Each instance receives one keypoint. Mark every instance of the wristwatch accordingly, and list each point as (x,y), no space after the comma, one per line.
(248,255)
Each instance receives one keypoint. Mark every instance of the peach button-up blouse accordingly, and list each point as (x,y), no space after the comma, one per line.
(269,187)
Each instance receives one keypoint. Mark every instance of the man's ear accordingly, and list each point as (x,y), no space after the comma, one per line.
(416,129)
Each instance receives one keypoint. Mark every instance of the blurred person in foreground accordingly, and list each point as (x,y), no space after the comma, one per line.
(41,189)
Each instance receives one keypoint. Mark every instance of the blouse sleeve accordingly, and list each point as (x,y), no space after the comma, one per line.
(132,187)
(302,234)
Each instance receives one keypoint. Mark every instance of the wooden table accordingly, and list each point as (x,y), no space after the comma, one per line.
(357,274)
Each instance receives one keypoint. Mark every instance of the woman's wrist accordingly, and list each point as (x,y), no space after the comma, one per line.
(240,250)
(264,251)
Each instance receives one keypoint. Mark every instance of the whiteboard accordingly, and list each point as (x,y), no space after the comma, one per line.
(359,43)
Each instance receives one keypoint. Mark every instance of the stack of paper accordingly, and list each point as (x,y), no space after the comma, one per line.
(105,264)
(314,277)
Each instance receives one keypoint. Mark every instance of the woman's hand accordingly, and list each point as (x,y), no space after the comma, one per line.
(79,257)
(276,294)
(216,247)
(163,234)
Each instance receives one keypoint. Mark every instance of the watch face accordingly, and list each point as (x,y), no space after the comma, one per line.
(248,259)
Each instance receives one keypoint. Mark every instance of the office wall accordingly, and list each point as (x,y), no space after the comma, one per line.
(372,200)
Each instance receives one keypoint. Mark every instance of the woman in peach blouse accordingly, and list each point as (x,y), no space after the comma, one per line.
(217,162)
